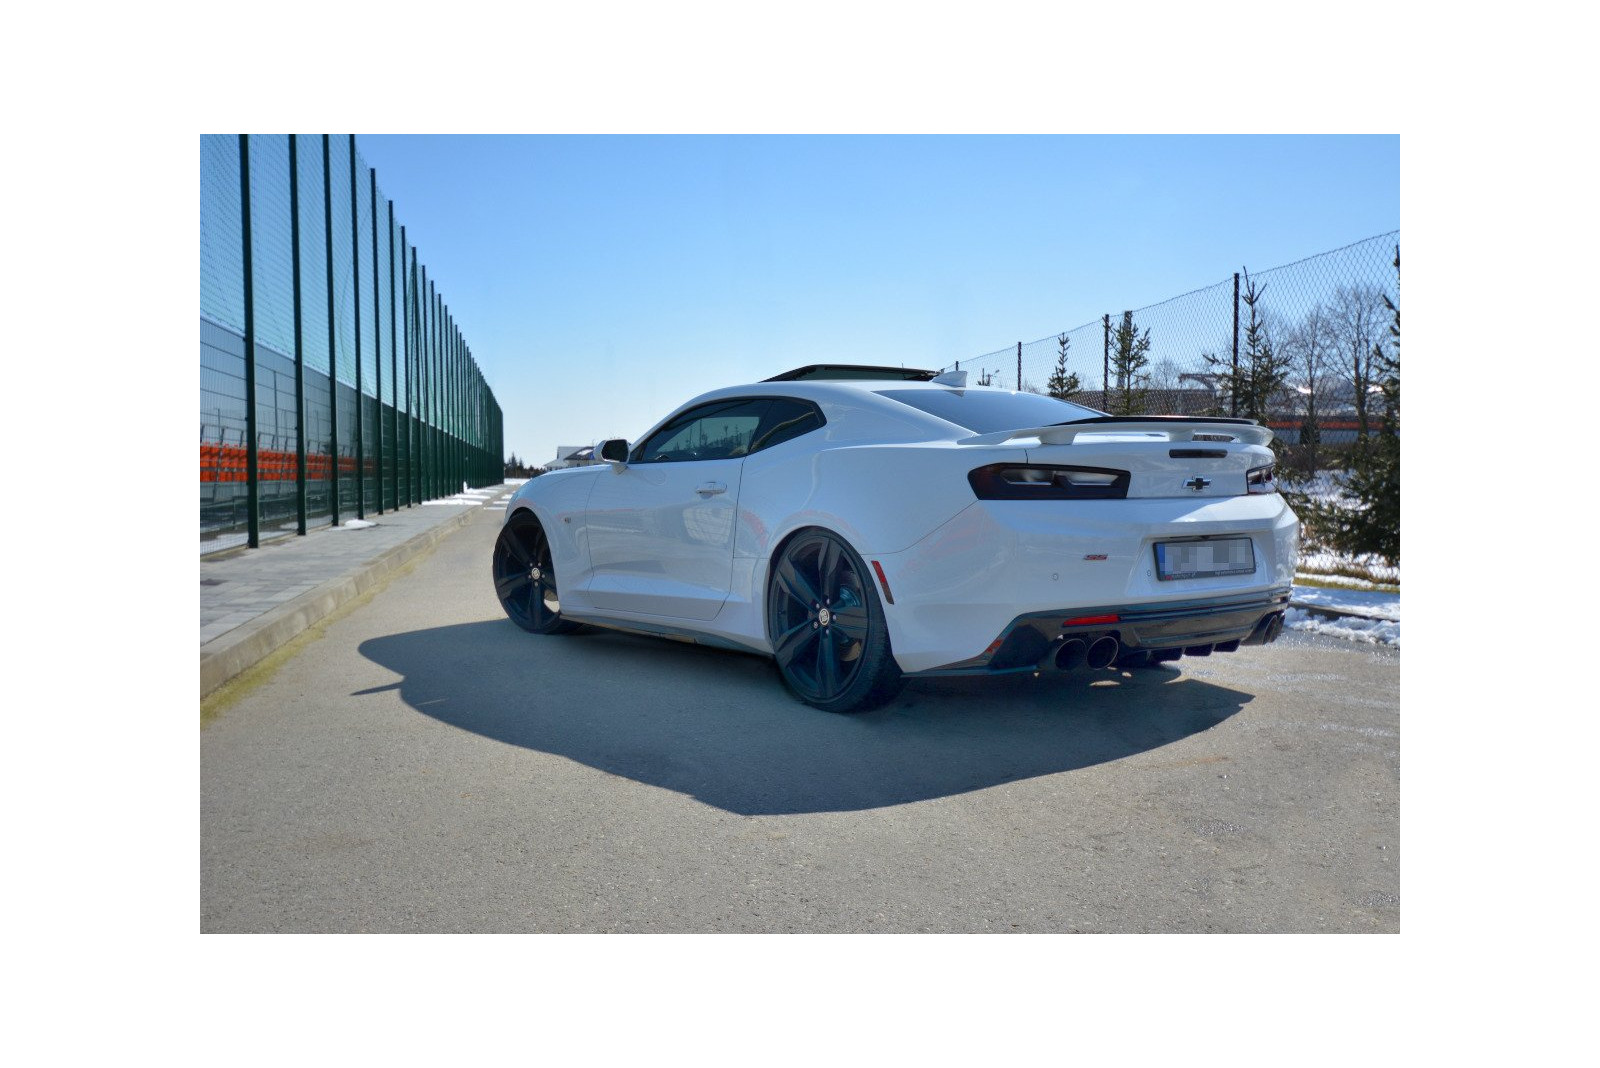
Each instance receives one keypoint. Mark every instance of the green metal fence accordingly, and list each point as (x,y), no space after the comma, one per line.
(334,381)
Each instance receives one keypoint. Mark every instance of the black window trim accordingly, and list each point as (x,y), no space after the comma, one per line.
(767,428)
(762,430)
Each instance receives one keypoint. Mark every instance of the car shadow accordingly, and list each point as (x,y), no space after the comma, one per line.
(720,727)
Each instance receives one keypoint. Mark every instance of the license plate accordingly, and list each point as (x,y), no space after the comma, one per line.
(1204,559)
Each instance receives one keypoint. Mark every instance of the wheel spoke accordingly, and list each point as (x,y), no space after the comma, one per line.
(827,674)
(792,642)
(828,569)
(517,551)
(796,585)
(511,585)
(851,621)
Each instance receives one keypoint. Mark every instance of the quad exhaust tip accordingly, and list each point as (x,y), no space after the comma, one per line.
(1071,654)
(1103,652)
(1267,631)
(1074,653)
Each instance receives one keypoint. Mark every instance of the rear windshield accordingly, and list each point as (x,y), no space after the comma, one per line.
(985,411)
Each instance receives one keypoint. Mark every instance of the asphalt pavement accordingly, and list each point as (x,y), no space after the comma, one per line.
(424,765)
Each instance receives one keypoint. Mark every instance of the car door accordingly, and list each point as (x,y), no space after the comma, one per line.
(661,528)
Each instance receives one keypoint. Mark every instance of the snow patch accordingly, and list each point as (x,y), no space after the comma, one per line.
(1351,628)
(1373,603)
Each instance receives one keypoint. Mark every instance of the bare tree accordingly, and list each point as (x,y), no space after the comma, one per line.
(1311,346)
(1165,383)
(1360,319)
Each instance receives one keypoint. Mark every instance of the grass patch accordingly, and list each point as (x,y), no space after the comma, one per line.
(1342,581)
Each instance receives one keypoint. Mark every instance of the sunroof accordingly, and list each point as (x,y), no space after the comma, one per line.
(845,371)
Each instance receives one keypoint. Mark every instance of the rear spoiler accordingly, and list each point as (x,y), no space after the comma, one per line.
(1175,427)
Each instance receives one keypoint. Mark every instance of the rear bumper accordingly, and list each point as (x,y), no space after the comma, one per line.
(1168,628)
(1001,561)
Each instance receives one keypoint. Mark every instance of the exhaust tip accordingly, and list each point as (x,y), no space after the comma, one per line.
(1071,654)
(1266,631)
(1103,652)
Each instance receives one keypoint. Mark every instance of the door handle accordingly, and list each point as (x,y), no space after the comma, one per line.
(710,489)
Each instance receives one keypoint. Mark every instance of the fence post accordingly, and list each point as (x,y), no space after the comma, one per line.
(430,459)
(1233,387)
(446,382)
(299,340)
(377,337)
(451,344)
(414,382)
(430,469)
(355,291)
(394,367)
(455,406)
(1105,367)
(435,381)
(252,492)
(1019,367)
(407,342)
(424,346)
(333,339)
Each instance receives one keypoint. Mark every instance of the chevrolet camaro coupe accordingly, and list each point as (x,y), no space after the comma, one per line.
(865,524)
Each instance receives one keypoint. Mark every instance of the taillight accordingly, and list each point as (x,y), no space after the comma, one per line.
(1047,482)
(1261,480)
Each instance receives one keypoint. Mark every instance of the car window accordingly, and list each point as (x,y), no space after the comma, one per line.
(786,419)
(718,431)
(985,411)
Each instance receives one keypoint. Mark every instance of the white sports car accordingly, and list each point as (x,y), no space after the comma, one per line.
(864,524)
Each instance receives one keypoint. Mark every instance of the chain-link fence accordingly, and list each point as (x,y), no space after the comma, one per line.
(333,380)
(1292,347)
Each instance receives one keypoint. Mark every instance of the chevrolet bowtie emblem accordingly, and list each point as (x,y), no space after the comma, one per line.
(1197,483)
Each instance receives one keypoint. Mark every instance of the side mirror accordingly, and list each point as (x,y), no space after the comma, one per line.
(614,450)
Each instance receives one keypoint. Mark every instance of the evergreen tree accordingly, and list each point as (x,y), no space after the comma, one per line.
(1263,369)
(1130,353)
(1061,384)
(1372,523)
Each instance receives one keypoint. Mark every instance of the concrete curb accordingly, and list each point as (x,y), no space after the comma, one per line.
(231,654)
(1342,613)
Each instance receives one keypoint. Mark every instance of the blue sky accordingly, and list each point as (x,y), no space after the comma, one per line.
(602,281)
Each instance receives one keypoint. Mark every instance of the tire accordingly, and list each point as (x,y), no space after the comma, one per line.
(828,632)
(525,577)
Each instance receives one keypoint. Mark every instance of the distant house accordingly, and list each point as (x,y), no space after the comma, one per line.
(1336,412)
(572,456)
(1156,401)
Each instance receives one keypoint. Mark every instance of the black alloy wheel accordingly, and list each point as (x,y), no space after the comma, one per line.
(525,577)
(827,626)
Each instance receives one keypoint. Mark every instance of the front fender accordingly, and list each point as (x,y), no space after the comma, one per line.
(559,501)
